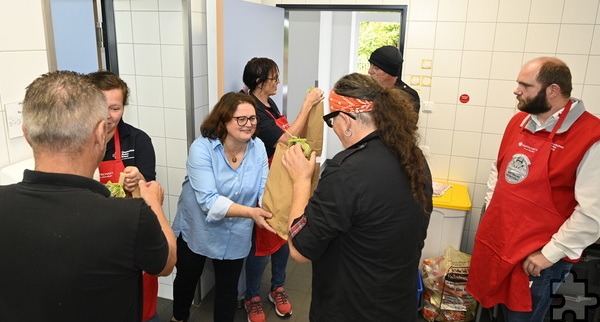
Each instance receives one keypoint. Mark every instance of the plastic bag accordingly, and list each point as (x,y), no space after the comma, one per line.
(445,281)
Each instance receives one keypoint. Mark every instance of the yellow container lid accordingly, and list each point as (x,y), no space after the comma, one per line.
(456,197)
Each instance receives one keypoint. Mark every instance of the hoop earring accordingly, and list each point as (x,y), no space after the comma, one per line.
(348,133)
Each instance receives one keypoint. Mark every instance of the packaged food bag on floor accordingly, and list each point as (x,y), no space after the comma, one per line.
(445,280)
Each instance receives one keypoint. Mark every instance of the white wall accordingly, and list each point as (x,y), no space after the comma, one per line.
(23,57)
(200,64)
(477,48)
(151,43)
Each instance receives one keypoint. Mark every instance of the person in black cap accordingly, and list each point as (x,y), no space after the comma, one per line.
(386,68)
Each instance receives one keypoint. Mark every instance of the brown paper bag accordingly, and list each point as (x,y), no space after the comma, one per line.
(277,198)
(314,131)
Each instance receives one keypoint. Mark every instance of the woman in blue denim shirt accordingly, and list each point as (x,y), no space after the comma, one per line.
(226,174)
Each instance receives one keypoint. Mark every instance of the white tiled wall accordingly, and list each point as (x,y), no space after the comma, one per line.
(150,39)
(499,36)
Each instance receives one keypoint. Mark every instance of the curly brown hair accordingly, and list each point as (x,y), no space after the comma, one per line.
(213,126)
(396,122)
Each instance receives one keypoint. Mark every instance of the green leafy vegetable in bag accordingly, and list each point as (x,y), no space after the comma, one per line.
(116,190)
(303,144)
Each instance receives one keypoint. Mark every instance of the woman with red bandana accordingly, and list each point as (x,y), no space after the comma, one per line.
(364,227)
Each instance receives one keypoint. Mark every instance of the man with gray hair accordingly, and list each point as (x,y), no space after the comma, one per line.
(69,251)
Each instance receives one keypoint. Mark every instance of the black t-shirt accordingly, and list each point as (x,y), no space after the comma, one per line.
(415,96)
(71,253)
(364,235)
(268,131)
(136,150)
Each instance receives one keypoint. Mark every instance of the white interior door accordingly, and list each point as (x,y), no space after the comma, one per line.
(74,32)
(250,30)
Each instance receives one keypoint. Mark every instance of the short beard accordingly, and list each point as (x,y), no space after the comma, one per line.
(537,105)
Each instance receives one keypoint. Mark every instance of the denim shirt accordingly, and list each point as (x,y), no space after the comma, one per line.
(210,187)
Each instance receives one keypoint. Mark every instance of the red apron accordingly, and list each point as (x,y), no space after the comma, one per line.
(281,123)
(150,296)
(110,170)
(520,219)
(266,242)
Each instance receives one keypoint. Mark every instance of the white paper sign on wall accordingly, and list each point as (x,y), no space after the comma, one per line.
(14,119)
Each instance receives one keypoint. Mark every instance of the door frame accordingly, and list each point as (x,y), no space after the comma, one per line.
(330,146)
(402,9)
(109,35)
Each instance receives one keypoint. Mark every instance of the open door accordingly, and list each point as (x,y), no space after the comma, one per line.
(73,35)
(248,30)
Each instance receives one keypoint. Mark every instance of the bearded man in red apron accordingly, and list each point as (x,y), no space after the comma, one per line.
(544,209)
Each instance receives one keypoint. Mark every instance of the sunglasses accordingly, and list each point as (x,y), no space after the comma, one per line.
(329,117)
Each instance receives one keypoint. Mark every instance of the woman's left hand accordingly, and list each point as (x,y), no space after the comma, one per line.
(259,215)
(132,177)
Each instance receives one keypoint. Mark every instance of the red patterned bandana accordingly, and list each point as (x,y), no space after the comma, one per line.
(348,104)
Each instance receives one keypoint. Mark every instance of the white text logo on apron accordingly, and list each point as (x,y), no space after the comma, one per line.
(127,154)
(517,169)
(527,147)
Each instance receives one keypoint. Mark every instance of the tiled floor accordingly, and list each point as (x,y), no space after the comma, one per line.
(298,287)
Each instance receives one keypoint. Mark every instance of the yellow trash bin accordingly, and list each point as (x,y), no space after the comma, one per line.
(447,220)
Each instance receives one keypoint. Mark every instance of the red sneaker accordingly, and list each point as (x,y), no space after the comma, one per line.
(279,298)
(255,310)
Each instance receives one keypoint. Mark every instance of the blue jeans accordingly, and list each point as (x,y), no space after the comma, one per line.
(541,289)
(255,266)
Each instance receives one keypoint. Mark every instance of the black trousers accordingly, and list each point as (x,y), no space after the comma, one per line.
(189,269)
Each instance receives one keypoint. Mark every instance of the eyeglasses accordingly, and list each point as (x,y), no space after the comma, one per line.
(329,117)
(274,78)
(243,120)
